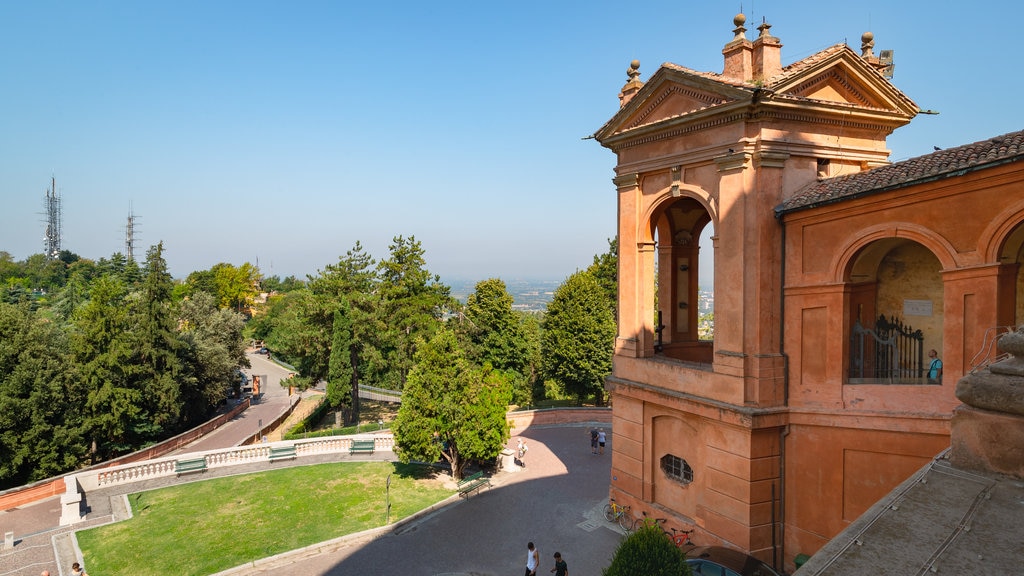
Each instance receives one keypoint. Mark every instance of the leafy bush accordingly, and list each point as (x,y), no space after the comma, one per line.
(647,552)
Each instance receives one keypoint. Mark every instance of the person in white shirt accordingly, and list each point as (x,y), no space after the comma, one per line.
(532,560)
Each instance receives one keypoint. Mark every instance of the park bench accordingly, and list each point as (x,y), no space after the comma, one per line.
(282,453)
(189,465)
(472,482)
(365,446)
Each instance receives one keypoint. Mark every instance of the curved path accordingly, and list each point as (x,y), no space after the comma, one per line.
(555,502)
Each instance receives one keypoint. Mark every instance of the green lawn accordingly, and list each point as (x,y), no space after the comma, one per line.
(204,527)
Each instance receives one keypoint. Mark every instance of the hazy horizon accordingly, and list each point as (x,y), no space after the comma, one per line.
(280,134)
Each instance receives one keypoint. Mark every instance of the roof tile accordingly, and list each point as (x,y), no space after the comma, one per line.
(939,164)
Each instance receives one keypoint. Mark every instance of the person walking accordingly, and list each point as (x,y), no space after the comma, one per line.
(561,568)
(532,560)
(77,570)
(600,440)
(521,449)
(593,440)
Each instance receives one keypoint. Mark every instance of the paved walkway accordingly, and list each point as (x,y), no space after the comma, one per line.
(556,502)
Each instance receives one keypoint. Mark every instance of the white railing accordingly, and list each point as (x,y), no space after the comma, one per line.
(160,467)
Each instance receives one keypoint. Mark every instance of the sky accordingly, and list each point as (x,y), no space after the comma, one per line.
(282,133)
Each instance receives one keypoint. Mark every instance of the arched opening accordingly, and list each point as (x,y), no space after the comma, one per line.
(895,313)
(684,282)
(1012,258)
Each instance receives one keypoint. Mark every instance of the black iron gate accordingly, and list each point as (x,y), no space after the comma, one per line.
(890,353)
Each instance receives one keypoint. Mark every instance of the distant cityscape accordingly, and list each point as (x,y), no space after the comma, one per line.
(534,295)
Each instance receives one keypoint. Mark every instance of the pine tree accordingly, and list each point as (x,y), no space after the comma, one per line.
(451,409)
(579,336)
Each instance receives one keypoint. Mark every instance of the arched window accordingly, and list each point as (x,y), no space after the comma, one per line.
(676,469)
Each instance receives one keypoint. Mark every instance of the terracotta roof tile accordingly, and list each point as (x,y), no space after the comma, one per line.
(940,164)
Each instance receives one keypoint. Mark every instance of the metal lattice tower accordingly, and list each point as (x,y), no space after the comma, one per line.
(53,218)
(129,236)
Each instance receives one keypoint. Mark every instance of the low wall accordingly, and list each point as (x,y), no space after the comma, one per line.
(223,457)
(522,419)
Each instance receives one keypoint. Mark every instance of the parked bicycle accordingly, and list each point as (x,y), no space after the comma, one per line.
(678,536)
(613,512)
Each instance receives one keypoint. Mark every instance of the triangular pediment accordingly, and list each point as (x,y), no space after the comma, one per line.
(843,77)
(670,100)
(673,92)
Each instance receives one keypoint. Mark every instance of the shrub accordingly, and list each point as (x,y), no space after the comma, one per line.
(647,552)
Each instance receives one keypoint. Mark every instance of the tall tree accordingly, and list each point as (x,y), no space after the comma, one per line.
(340,369)
(41,399)
(411,303)
(451,409)
(351,285)
(605,270)
(212,349)
(103,351)
(157,346)
(498,335)
(579,336)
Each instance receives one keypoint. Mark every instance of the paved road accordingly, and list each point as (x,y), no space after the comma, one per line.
(244,426)
(555,502)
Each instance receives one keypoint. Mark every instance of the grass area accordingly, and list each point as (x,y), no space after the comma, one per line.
(205,527)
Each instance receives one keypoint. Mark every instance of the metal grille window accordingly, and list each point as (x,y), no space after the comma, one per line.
(676,468)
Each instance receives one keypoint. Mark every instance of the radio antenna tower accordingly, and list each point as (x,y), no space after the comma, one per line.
(129,235)
(53,218)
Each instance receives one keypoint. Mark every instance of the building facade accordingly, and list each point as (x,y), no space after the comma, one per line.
(835,274)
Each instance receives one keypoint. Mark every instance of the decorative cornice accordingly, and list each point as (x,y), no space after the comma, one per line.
(625,181)
(733,161)
(770,159)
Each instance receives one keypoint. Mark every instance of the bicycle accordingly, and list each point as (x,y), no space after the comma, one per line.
(614,512)
(646,520)
(678,536)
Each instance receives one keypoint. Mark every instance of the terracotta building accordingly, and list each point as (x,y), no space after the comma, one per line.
(835,274)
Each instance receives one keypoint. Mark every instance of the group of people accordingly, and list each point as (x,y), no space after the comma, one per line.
(597,440)
(533,562)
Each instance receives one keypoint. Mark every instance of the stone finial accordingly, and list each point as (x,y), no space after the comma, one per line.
(763,29)
(633,85)
(867,45)
(741,32)
(634,70)
(1011,343)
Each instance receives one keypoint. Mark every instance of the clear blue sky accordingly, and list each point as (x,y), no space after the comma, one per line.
(284,132)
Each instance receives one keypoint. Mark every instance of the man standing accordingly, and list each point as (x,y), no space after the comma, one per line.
(593,440)
(935,368)
(532,560)
(600,441)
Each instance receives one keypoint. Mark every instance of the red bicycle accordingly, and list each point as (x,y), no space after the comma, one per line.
(678,536)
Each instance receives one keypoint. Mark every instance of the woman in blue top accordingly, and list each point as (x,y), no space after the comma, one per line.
(935,368)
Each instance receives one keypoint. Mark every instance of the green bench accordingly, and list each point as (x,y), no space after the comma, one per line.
(473,482)
(282,453)
(362,446)
(189,465)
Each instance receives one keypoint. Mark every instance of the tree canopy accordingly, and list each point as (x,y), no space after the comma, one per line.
(451,409)
(579,336)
